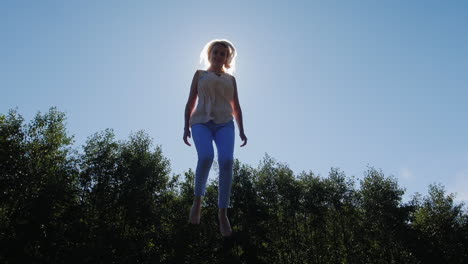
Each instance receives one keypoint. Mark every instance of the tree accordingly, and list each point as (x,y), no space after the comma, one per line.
(39,175)
(115,202)
(383,220)
(441,227)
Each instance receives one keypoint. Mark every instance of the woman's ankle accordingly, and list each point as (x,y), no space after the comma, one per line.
(195,211)
(222,212)
(224,224)
(197,201)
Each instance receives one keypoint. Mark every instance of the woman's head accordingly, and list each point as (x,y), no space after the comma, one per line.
(219,51)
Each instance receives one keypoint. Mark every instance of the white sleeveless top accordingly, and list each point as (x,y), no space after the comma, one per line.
(215,94)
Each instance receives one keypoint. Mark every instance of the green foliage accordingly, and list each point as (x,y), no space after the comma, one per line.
(116,202)
(39,187)
(441,227)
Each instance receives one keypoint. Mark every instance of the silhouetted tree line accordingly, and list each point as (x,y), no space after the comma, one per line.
(116,202)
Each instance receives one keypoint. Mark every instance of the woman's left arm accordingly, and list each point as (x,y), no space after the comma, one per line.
(237,111)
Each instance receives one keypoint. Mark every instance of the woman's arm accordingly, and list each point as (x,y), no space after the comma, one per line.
(237,111)
(192,99)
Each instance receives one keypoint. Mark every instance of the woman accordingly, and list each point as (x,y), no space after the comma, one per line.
(212,120)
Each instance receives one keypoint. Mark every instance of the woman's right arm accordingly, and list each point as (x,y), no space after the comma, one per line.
(192,99)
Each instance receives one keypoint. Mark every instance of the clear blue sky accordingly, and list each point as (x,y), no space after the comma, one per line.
(322,84)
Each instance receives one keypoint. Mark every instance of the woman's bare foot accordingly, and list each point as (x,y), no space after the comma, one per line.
(224,225)
(195,211)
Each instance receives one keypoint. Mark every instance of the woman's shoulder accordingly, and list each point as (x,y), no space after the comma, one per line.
(199,74)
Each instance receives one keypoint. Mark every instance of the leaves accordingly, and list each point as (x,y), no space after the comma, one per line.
(116,202)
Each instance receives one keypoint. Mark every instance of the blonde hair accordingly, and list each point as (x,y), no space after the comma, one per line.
(230,64)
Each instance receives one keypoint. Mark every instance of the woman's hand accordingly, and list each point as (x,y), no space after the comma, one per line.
(243,138)
(187,134)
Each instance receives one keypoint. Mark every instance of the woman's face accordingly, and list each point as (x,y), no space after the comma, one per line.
(218,55)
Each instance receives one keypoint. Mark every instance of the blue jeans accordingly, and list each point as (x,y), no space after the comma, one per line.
(203,135)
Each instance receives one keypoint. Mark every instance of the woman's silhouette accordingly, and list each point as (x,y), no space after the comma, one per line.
(212,120)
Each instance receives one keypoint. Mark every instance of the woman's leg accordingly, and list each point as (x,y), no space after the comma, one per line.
(224,139)
(203,139)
